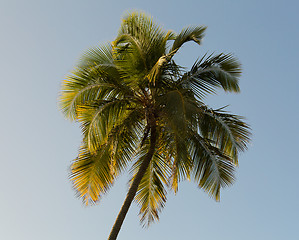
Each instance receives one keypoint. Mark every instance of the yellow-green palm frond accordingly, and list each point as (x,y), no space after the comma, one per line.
(151,38)
(92,174)
(80,88)
(139,45)
(96,77)
(151,193)
(98,119)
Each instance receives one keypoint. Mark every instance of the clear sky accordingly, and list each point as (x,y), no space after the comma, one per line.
(41,42)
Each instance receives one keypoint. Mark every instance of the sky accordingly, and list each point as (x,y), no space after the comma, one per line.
(41,41)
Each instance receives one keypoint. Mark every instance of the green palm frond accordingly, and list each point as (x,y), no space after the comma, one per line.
(195,34)
(162,66)
(127,137)
(212,169)
(98,56)
(139,45)
(227,131)
(178,113)
(134,53)
(220,71)
(182,162)
(173,103)
(151,37)
(98,119)
(88,84)
(173,146)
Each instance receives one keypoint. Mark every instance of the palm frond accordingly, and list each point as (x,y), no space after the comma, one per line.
(91,174)
(94,172)
(151,193)
(134,52)
(212,169)
(182,163)
(162,65)
(98,119)
(140,44)
(96,56)
(188,34)
(173,110)
(227,131)
(88,85)
(220,71)
(127,137)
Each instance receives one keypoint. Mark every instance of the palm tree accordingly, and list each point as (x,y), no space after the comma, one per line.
(138,109)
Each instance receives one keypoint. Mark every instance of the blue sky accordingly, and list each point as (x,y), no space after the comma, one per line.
(41,42)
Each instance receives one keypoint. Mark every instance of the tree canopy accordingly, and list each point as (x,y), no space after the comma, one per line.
(135,104)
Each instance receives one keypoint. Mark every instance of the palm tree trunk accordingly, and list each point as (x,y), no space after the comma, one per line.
(133,189)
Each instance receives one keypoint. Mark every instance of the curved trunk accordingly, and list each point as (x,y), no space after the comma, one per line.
(133,189)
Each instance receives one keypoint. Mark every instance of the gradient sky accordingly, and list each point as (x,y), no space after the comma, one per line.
(41,42)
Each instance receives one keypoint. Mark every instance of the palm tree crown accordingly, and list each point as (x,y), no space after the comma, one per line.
(137,108)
